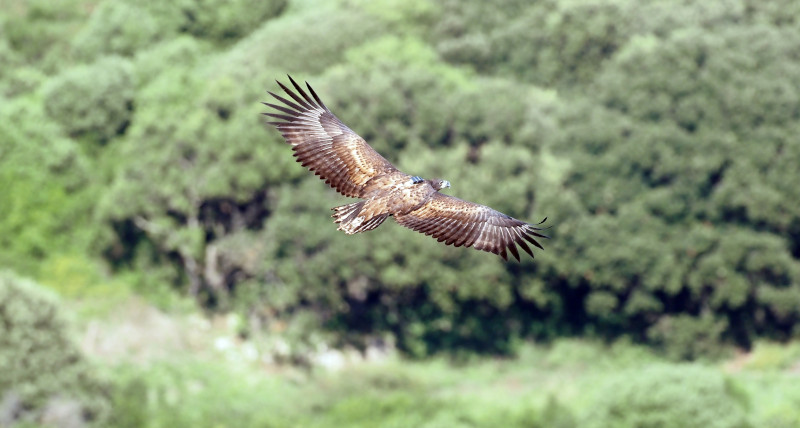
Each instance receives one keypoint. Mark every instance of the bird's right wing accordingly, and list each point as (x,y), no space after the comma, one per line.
(458,222)
(325,145)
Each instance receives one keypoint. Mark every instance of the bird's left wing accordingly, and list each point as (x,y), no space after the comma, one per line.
(458,222)
(325,145)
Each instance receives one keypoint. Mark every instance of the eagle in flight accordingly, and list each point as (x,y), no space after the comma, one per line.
(326,146)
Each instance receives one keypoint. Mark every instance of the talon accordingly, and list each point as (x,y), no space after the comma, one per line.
(416,179)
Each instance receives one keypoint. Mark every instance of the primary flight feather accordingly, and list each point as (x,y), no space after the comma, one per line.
(326,146)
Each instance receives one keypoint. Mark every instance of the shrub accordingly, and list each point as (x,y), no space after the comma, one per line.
(45,200)
(547,42)
(115,28)
(43,371)
(180,52)
(40,30)
(216,20)
(188,392)
(94,101)
(667,396)
(309,42)
(684,159)
(9,57)
(228,19)
(688,337)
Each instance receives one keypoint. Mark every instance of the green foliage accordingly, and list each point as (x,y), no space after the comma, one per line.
(688,337)
(198,394)
(711,81)
(401,16)
(424,288)
(40,30)
(224,19)
(663,396)
(548,42)
(42,368)
(155,60)
(769,356)
(308,41)
(204,139)
(204,392)
(45,180)
(21,80)
(9,57)
(659,137)
(393,410)
(666,165)
(93,102)
(571,383)
(218,21)
(115,28)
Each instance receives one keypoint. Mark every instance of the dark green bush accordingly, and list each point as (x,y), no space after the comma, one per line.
(225,19)
(190,131)
(668,396)
(219,21)
(41,368)
(92,102)
(689,337)
(548,42)
(679,169)
(702,80)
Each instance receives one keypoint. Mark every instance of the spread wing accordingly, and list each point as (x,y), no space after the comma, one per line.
(458,222)
(325,145)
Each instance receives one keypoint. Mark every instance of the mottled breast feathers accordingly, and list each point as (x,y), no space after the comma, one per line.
(326,146)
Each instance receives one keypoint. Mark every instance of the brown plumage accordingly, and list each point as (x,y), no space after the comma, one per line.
(326,146)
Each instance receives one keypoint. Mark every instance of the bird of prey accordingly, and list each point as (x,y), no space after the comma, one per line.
(326,146)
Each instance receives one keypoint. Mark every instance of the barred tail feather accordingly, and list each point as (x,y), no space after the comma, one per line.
(350,219)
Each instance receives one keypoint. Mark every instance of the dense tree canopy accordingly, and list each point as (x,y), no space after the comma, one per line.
(660,140)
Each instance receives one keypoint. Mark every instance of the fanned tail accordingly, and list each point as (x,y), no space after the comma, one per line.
(351,220)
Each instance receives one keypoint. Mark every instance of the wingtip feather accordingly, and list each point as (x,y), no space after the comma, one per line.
(525,248)
(302,93)
(513,249)
(295,96)
(532,241)
(316,97)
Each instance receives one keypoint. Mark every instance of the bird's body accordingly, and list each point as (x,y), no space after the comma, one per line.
(396,194)
(322,143)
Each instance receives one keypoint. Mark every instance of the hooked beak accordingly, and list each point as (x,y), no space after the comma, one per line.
(446,183)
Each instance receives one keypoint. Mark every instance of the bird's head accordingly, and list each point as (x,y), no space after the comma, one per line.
(440,184)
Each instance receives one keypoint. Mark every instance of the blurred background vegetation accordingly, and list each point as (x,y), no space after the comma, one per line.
(165,262)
